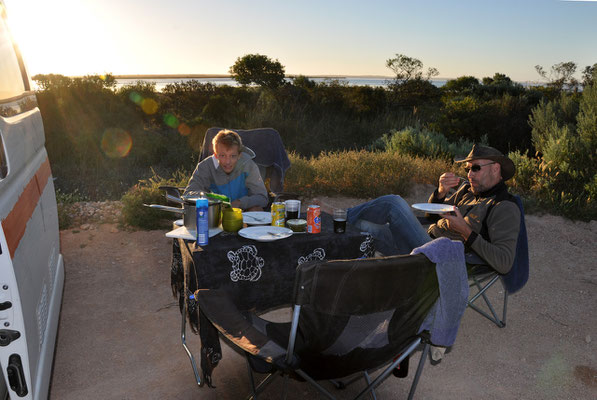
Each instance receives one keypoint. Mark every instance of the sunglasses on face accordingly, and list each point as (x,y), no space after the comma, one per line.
(476,167)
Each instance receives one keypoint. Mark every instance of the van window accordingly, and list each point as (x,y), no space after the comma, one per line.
(11,79)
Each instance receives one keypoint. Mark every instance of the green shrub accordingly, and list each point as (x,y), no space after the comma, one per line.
(64,202)
(419,142)
(564,177)
(147,191)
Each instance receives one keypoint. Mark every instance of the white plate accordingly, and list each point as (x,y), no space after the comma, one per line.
(184,233)
(257,218)
(433,208)
(265,233)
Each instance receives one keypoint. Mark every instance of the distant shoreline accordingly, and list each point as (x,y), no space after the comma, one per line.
(211,76)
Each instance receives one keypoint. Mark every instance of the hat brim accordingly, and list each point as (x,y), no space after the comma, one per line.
(508,168)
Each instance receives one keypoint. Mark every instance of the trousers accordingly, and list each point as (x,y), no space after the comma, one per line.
(392,224)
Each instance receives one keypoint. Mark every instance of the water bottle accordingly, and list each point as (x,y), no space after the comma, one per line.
(202,205)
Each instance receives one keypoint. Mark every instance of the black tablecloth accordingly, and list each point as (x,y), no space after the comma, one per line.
(257,275)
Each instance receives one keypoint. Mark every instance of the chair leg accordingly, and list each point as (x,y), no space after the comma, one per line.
(373,396)
(315,384)
(422,361)
(389,369)
(183,330)
(251,379)
(255,390)
(481,293)
(505,308)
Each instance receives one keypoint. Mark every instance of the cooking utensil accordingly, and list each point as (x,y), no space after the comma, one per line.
(189,212)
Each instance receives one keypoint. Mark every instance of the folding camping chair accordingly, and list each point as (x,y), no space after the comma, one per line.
(483,277)
(349,317)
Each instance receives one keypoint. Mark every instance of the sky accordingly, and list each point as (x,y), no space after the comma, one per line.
(324,37)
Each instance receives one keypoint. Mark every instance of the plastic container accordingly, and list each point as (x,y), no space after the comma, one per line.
(202,213)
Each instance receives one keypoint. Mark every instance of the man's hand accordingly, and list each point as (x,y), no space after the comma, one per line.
(447,181)
(456,223)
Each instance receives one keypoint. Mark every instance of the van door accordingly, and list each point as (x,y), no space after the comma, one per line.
(31,266)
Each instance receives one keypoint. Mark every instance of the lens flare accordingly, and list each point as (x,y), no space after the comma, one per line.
(135,97)
(149,106)
(116,143)
(184,129)
(171,121)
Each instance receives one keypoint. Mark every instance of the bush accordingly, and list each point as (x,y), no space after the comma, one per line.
(564,178)
(419,142)
(64,202)
(147,192)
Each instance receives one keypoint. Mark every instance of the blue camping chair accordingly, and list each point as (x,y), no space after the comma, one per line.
(483,277)
(270,154)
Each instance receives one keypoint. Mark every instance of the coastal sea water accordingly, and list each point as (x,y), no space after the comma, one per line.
(160,83)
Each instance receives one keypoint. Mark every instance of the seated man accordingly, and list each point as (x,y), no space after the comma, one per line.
(230,171)
(486,218)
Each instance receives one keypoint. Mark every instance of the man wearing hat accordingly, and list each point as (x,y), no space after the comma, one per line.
(485,217)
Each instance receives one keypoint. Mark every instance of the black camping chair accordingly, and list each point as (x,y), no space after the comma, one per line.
(349,317)
(483,277)
(270,156)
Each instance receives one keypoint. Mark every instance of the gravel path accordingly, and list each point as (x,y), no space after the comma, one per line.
(119,334)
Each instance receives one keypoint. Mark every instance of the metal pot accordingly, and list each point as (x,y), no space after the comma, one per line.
(214,213)
(189,212)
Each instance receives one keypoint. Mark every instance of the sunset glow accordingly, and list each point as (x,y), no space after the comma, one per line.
(318,38)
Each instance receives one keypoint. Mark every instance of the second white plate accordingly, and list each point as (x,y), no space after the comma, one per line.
(257,218)
(265,233)
(433,208)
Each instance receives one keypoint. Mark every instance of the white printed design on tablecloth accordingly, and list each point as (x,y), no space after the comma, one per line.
(246,266)
(367,247)
(318,254)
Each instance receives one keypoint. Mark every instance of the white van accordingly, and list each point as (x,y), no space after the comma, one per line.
(31,266)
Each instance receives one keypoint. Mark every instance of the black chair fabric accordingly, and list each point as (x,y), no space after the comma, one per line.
(355,315)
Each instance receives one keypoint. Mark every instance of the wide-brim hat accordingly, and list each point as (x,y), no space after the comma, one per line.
(479,152)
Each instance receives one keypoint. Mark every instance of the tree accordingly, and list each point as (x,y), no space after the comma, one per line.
(258,69)
(587,75)
(408,68)
(560,75)
(463,84)
(498,79)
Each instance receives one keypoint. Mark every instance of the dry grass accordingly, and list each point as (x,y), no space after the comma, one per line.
(360,173)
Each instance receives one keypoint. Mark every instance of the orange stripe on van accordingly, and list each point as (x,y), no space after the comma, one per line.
(15,223)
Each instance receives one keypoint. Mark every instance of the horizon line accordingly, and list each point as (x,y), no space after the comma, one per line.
(228,76)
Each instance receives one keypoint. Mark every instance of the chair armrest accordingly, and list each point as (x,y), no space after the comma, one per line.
(221,311)
(172,190)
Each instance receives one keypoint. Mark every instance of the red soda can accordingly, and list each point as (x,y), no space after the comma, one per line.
(313,219)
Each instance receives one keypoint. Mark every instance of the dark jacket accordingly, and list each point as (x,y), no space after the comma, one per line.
(494,218)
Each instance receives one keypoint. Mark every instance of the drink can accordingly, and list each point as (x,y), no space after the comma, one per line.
(278,214)
(313,219)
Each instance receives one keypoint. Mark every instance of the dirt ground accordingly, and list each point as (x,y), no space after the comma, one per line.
(119,332)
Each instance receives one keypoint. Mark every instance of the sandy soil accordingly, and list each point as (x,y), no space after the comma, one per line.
(119,333)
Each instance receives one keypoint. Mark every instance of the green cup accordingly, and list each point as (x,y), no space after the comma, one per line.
(232,219)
